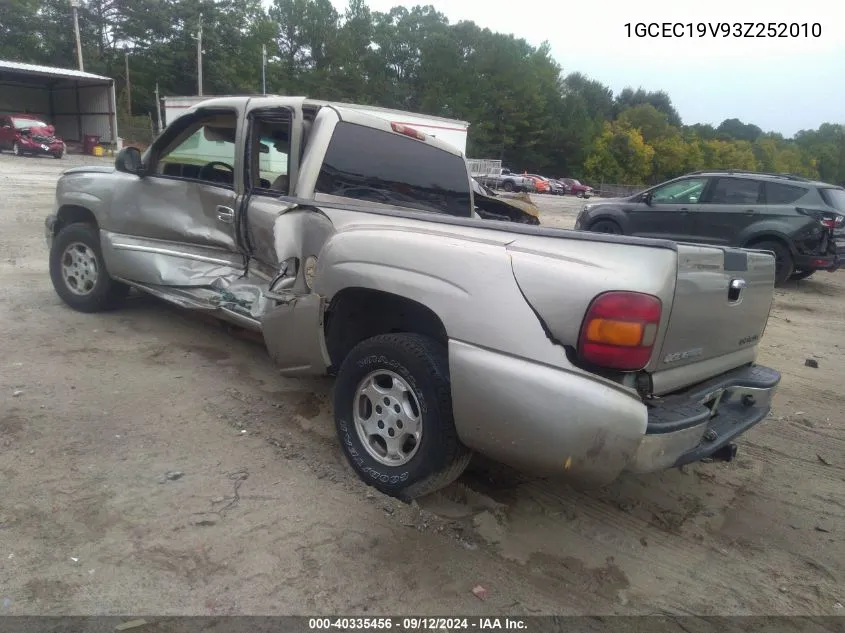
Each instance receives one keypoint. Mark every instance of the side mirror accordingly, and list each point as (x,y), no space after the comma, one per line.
(647,198)
(129,161)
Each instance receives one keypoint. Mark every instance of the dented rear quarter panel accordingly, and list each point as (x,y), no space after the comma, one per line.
(516,396)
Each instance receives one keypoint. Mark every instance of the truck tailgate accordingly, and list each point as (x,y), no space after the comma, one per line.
(719,312)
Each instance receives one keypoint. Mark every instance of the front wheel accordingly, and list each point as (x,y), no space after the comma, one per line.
(393,414)
(508,186)
(78,271)
(606,226)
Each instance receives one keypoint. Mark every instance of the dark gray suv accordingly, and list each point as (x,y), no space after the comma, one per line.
(799,220)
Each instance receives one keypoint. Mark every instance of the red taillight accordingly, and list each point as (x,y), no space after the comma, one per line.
(829,223)
(619,330)
(400,128)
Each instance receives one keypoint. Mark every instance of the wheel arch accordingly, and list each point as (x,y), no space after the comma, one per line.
(769,236)
(69,214)
(357,313)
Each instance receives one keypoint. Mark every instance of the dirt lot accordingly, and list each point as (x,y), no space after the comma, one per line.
(267,519)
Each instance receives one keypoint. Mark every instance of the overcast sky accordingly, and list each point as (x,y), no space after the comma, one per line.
(779,84)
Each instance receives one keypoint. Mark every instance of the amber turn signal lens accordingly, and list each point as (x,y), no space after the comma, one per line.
(613,332)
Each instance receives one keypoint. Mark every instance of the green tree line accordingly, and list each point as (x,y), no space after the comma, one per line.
(523,108)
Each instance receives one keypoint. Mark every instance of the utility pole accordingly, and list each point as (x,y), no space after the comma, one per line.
(75,5)
(158,110)
(263,69)
(199,58)
(128,86)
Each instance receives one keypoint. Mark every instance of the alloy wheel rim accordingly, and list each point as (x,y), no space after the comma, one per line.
(388,418)
(80,271)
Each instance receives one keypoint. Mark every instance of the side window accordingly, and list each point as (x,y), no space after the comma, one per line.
(687,191)
(778,193)
(205,151)
(378,166)
(736,191)
(269,151)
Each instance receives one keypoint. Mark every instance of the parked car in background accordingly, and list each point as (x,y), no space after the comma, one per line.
(558,188)
(541,184)
(577,188)
(509,181)
(26,134)
(799,220)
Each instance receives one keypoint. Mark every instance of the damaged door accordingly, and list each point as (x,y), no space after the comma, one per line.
(175,224)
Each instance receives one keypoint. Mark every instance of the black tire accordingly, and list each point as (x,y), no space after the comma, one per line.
(423,365)
(784,264)
(605,226)
(508,186)
(798,275)
(106,293)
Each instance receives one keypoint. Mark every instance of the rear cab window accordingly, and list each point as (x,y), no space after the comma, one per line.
(369,164)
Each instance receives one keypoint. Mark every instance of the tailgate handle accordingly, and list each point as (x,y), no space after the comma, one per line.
(735,289)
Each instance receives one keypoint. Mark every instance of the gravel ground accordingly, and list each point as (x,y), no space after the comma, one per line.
(155,463)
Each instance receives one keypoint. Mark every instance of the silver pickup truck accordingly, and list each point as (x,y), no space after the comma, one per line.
(352,245)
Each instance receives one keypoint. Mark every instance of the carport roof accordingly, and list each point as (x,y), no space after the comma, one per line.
(49,71)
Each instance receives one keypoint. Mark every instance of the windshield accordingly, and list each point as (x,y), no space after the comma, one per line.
(834,197)
(23,124)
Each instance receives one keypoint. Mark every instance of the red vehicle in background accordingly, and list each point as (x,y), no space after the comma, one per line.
(576,188)
(27,134)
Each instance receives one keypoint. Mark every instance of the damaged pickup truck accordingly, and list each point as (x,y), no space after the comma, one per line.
(352,245)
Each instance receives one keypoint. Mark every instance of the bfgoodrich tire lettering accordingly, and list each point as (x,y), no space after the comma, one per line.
(106,293)
(422,364)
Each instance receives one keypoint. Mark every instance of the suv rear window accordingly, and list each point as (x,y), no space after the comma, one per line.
(778,193)
(735,191)
(377,166)
(834,197)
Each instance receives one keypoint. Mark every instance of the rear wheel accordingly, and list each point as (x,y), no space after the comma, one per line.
(784,264)
(393,413)
(507,185)
(78,271)
(606,226)
(801,274)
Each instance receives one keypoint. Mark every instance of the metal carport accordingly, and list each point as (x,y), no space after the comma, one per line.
(76,103)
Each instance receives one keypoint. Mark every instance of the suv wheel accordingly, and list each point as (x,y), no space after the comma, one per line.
(606,226)
(393,413)
(508,185)
(784,264)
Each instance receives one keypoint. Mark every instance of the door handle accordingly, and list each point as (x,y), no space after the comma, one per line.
(225,214)
(684,210)
(750,211)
